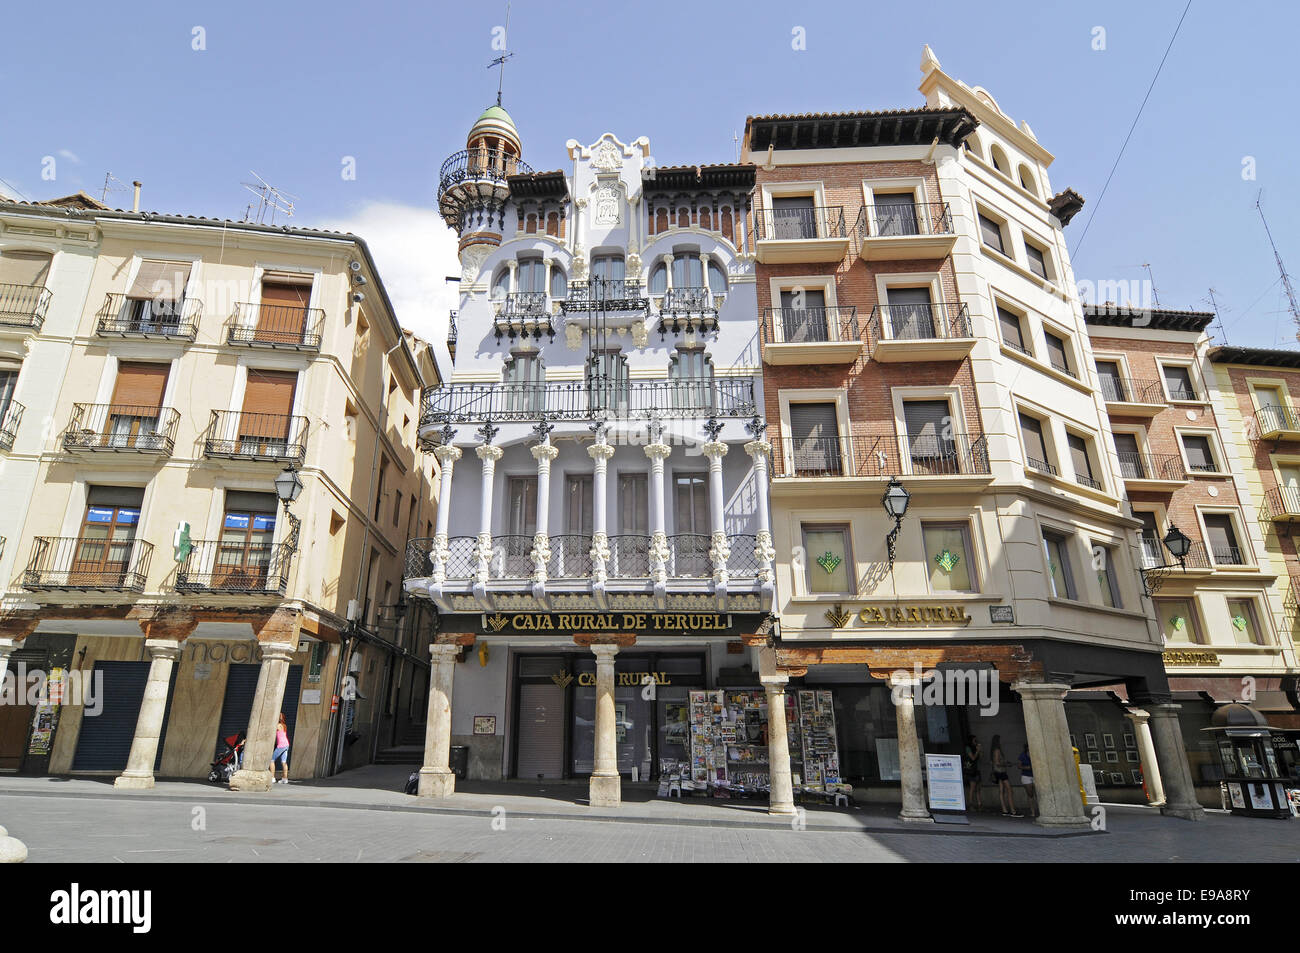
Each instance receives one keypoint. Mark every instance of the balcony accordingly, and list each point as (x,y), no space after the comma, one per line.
(262,438)
(1277,423)
(84,563)
(1129,397)
(1041,466)
(605,295)
(919,332)
(480,165)
(11,415)
(476,181)
(822,335)
(121,428)
(235,568)
(1283,504)
(957,458)
(1158,472)
(145,318)
(907,232)
(688,309)
(577,400)
(783,236)
(23,306)
(275,326)
(523,314)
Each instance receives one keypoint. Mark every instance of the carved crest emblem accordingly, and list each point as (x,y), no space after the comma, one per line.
(607,157)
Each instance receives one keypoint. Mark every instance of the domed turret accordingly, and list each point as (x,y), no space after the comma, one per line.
(472,187)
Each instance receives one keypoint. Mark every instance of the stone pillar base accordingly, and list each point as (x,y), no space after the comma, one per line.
(135,782)
(910,818)
(1064,823)
(606,791)
(248,780)
(436,782)
(1187,812)
(784,810)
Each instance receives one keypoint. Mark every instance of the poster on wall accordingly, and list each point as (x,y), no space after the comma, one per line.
(887,759)
(46,718)
(943,772)
(1261,799)
(1234,792)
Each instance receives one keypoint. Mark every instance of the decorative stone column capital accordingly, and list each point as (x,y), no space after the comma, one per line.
(168,649)
(540,555)
(487,451)
(544,453)
(657,452)
(715,450)
(757,448)
(443,652)
(512,264)
(1139,716)
(669,259)
(277,652)
(447,454)
(600,452)
(604,653)
(904,680)
(774,684)
(1040,691)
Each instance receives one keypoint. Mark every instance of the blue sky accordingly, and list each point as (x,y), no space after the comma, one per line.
(291,89)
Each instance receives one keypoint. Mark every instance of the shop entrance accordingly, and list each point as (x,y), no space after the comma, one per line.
(104,742)
(16,716)
(241,686)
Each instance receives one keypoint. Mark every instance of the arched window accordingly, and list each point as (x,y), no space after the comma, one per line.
(610,268)
(607,380)
(690,377)
(999,160)
(501,284)
(717,278)
(530,275)
(559,283)
(1027,179)
(688,270)
(659,279)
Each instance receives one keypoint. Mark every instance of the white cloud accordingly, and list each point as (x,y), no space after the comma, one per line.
(415,251)
(70,156)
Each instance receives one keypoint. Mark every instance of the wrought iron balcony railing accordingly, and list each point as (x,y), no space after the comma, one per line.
(1283,501)
(74,562)
(1272,418)
(235,567)
(11,415)
(691,300)
(1042,466)
(793,224)
(923,218)
(476,165)
(148,318)
(810,325)
(274,438)
(742,563)
(523,303)
(1127,390)
(1152,466)
(919,322)
(24,306)
(1084,480)
(121,427)
(605,294)
(275,326)
(577,400)
(881,455)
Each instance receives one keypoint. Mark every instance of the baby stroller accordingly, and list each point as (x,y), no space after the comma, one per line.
(229,752)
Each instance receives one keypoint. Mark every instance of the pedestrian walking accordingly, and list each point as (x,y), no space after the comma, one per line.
(281,752)
(1000,764)
(971,766)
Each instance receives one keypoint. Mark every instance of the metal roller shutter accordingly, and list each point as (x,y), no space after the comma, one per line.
(104,742)
(241,686)
(541,731)
(139,384)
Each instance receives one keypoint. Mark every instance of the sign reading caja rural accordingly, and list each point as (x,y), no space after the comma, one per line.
(640,623)
(914,615)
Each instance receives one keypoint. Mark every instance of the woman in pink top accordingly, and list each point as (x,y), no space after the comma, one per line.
(281,752)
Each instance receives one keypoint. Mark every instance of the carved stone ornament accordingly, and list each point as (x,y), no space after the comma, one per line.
(471,261)
(607,157)
(607,210)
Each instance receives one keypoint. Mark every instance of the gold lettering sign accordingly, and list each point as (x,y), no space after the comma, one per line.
(914,615)
(1191,658)
(670,622)
(627,678)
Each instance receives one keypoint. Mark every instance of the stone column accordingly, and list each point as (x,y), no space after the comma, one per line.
(759,451)
(447,456)
(720,550)
(658,453)
(149,724)
(512,265)
(1056,778)
(780,799)
(1147,754)
(606,786)
(903,693)
(600,452)
(1175,772)
(268,702)
(545,455)
(436,779)
(668,263)
(489,455)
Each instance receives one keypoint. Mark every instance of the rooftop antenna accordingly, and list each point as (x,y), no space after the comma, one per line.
(269,199)
(1151,278)
(1214,306)
(500,61)
(736,140)
(1286,279)
(109,179)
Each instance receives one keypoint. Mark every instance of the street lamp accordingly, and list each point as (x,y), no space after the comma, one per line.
(288,486)
(895,502)
(1178,544)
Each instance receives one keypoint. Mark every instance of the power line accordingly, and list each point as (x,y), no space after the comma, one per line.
(1131,129)
(14,190)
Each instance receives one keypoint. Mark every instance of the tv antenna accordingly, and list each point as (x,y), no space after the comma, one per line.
(109,179)
(1277,256)
(1214,306)
(269,200)
(500,61)
(1152,279)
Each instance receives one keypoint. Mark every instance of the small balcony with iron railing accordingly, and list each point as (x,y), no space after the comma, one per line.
(23,307)
(687,309)
(261,438)
(276,327)
(11,416)
(605,294)
(1132,397)
(814,335)
(523,314)
(148,319)
(235,567)
(1283,504)
(88,564)
(940,331)
(121,428)
(578,400)
(952,459)
(477,179)
(791,235)
(920,230)
(1275,422)
(1158,472)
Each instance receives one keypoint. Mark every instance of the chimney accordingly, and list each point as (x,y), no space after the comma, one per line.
(135,203)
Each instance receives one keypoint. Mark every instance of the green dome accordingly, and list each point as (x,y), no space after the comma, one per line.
(496,113)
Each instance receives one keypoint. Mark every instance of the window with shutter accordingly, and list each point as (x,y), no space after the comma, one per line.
(690,373)
(1081,460)
(803,315)
(137,402)
(282,313)
(793,217)
(929,436)
(1222,539)
(104,547)
(578,496)
(1037,260)
(160,280)
(1060,573)
(633,504)
(1057,353)
(1112,384)
(29,269)
(1031,431)
(247,531)
(895,213)
(1178,381)
(268,404)
(1012,333)
(911,313)
(815,442)
(1130,457)
(692,525)
(1199,455)
(1152,555)
(991,233)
